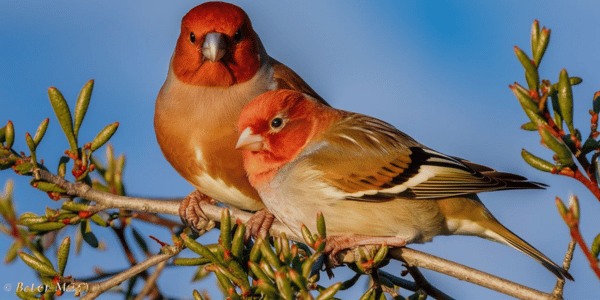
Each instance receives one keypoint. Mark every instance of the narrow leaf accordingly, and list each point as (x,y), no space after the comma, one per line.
(596,246)
(193,261)
(11,253)
(63,114)
(565,157)
(321,228)
(284,286)
(542,45)
(535,36)
(37,265)
(565,99)
(596,102)
(48,226)
(103,136)
(63,255)
(139,239)
(9,134)
(87,234)
(529,126)
(329,292)
(41,131)
(81,106)
(531,72)
(225,235)
(536,162)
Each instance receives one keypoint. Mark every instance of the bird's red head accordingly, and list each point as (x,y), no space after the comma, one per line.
(276,126)
(217,46)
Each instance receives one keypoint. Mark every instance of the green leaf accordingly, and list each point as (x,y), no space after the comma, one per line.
(284,286)
(87,234)
(225,235)
(535,37)
(529,126)
(565,157)
(139,239)
(81,106)
(48,226)
(11,253)
(38,265)
(63,255)
(41,131)
(596,246)
(103,136)
(329,292)
(9,133)
(199,248)
(46,186)
(237,243)
(542,45)
(565,99)
(531,72)
(63,114)
(75,206)
(557,116)
(536,162)
(321,228)
(190,261)
(596,102)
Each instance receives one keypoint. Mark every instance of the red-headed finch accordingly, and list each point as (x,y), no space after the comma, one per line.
(373,183)
(218,66)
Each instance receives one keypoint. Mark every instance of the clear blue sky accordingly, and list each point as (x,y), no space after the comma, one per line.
(437,70)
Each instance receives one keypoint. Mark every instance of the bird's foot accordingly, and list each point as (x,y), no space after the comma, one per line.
(259,224)
(335,244)
(191,213)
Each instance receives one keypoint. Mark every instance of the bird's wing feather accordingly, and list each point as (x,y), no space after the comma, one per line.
(286,78)
(371,160)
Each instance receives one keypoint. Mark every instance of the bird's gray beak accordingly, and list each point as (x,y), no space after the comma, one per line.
(249,141)
(214,47)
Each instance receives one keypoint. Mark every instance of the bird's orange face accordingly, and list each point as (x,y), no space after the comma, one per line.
(274,128)
(217,46)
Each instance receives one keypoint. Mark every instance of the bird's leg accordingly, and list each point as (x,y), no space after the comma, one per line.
(259,224)
(336,243)
(192,215)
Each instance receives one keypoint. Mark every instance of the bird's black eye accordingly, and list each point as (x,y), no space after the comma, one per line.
(237,36)
(192,37)
(277,122)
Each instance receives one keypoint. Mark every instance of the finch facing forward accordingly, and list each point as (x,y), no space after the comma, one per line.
(218,66)
(373,183)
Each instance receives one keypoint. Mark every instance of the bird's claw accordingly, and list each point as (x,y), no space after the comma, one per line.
(259,224)
(334,245)
(191,213)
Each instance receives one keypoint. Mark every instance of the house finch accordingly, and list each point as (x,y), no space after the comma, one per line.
(219,65)
(373,183)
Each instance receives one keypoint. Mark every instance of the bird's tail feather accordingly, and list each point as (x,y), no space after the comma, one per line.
(513,240)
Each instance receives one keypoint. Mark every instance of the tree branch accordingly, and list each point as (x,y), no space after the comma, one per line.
(96,289)
(412,257)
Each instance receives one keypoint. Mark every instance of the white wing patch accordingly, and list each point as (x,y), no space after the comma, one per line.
(424,174)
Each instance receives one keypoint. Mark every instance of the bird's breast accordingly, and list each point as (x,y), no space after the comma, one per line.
(196,130)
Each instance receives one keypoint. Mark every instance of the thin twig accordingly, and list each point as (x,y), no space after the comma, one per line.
(417,258)
(96,289)
(151,281)
(424,284)
(560,284)
(412,257)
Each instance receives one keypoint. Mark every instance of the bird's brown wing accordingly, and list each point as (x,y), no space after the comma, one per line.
(371,160)
(286,78)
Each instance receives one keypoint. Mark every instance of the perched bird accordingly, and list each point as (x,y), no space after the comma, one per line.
(218,66)
(373,183)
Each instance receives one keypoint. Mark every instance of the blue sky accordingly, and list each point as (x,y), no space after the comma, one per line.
(436,70)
